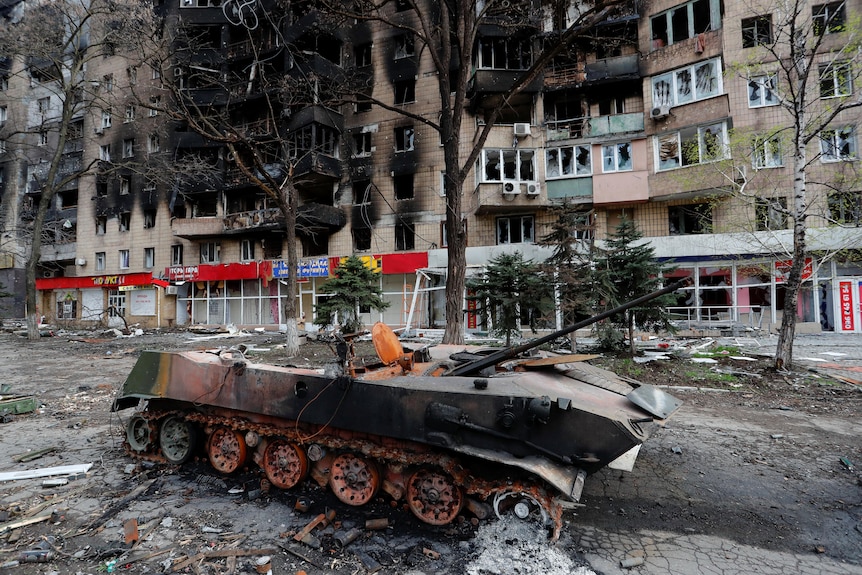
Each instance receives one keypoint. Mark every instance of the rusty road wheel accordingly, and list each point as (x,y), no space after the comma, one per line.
(226,449)
(177,438)
(433,497)
(284,464)
(141,434)
(354,480)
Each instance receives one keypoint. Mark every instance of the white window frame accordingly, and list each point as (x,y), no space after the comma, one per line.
(106,119)
(611,158)
(130,114)
(100,261)
(765,85)
(3,114)
(766,152)
(246,250)
(129,148)
(556,166)
(149,258)
(668,89)
(840,76)
(524,160)
(105,152)
(210,252)
(699,132)
(155,101)
(177,254)
(124,259)
(833,140)
(519,220)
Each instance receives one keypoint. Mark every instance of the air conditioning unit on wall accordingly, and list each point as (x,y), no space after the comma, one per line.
(522,129)
(510,187)
(533,188)
(171,290)
(659,112)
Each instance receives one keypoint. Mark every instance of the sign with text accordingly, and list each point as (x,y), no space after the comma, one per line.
(307,268)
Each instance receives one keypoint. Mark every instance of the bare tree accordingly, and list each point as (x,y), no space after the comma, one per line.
(51,44)
(447,34)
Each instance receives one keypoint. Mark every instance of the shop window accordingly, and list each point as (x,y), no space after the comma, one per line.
(690,219)
(771,213)
(405,237)
(515,230)
(757,31)
(67,309)
(403,186)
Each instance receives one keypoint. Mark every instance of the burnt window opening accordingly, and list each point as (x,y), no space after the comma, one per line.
(101,188)
(515,230)
(125,221)
(829,18)
(402,5)
(757,31)
(125,185)
(504,53)
(362,55)
(683,22)
(363,104)
(271,249)
(361,191)
(611,106)
(405,237)
(324,45)
(313,138)
(205,208)
(361,239)
(403,46)
(362,144)
(690,219)
(68,199)
(315,245)
(405,91)
(149,219)
(404,139)
(403,186)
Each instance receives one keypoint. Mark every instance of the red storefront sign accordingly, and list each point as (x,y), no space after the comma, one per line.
(218,272)
(782,268)
(106,281)
(845,302)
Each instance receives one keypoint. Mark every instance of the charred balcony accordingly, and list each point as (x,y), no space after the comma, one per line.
(313,139)
(614,69)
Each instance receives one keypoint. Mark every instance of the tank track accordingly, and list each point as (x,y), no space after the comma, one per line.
(436,493)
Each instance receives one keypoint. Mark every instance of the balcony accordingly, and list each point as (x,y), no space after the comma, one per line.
(592,127)
(616,69)
(497,81)
(561,76)
(190,228)
(620,188)
(502,197)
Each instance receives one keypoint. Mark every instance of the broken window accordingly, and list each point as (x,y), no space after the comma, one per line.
(362,191)
(362,144)
(845,208)
(403,46)
(508,164)
(504,54)
(403,185)
(838,145)
(617,157)
(689,84)
(101,225)
(405,91)
(405,237)
(684,22)
(766,152)
(362,55)
(770,213)
(829,18)
(761,91)
(568,161)
(835,79)
(691,146)
(690,219)
(404,139)
(515,230)
(149,218)
(125,220)
(210,252)
(756,31)
(361,239)
(125,185)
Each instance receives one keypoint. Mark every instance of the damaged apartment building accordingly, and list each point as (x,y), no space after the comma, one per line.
(623,122)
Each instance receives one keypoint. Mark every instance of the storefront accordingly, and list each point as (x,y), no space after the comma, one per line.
(114,301)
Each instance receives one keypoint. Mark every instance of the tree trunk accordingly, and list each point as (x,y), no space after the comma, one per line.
(456,267)
(291,341)
(33,313)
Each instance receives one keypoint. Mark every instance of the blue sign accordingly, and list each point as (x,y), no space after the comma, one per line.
(310,268)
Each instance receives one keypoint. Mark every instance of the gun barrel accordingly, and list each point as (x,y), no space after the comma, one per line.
(475,366)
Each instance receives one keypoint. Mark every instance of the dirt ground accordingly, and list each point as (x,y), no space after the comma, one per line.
(762,458)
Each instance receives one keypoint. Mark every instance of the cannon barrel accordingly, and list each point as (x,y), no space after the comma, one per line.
(472,367)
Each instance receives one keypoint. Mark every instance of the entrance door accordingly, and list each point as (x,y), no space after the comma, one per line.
(848,311)
(116,308)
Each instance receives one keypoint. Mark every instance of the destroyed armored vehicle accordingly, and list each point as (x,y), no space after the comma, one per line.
(465,433)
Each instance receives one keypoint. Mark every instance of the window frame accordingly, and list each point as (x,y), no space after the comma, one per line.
(615,148)
(755,36)
(570,169)
(821,14)
(675,84)
(405,139)
(765,83)
(210,252)
(177,254)
(100,261)
(838,75)
(405,237)
(520,219)
(770,214)
(760,159)
(507,173)
(680,145)
(149,258)
(835,143)
(124,261)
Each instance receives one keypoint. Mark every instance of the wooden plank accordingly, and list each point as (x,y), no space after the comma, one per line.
(45,472)
(557,360)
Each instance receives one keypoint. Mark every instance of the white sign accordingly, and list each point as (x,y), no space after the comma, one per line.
(142,302)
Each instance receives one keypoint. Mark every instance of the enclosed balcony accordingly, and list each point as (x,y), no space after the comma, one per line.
(615,69)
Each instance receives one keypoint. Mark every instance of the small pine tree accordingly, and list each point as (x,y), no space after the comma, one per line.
(510,290)
(628,268)
(353,287)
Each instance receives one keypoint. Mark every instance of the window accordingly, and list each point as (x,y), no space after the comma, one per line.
(362,144)
(515,230)
(405,237)
(761,91)
(504,53)
(690,219)
(404,139)
(405,91)
(4,83)
(43,138)
(100,261)
(403,186)
(105,153)
(403,46)
(362,55)
(130,114)
(124,259)
(766,152)
(125,220)
(362,239)
(108,82)
(149,219)
(247,250)
(683,22)
(845,208)
(508,164)
(149,258)
(2,146)
(3,114)
(132,73)
(835,79)
(153,144)
(106,119)
(155,102)
(128,148)
(691,146)
(756,31)
(43,106)
(156,70)
(177,255)
(617,157)
(568,161)
(363,104)
(210,252)
(689,84)
(361,191)
(771,213)
(125,185)
(838,145)
(829,18)
(101,225)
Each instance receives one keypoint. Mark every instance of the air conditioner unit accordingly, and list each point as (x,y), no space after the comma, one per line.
(80,262)
(510,187)
(533,188)
(522,129)
(659,112)
(171,290)
(49,274)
